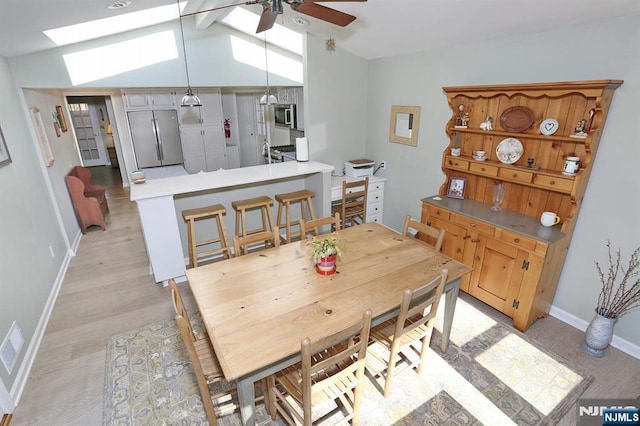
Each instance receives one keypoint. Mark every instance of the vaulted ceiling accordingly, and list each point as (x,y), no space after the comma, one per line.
(382,28)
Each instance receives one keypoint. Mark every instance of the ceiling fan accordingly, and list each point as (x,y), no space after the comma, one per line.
(272,8)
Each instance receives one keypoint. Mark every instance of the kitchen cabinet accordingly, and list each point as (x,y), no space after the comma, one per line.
(142,99)
(210,113)
(203,148)
(516,261)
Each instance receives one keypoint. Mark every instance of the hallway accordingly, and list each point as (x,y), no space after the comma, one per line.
(110,178)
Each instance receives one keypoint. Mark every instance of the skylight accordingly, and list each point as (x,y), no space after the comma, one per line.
(94,64)
(247,22)
(117,24)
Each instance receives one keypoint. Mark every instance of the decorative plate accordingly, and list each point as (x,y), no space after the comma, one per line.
(549,126)
(516,119)
(509,150)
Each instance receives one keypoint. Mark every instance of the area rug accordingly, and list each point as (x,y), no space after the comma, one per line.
(491,374)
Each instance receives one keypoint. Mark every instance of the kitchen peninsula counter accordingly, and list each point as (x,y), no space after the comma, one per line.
(161,201)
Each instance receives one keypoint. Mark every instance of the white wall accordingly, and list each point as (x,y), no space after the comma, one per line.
(29,225)
(612,202)
(335,102)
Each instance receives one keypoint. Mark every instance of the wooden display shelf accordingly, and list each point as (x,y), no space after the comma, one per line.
(550,179)
(516,261)
(522,135)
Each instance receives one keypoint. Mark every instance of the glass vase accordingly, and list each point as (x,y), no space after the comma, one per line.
(499,188)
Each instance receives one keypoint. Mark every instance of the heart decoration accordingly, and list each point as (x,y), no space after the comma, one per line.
(549,126)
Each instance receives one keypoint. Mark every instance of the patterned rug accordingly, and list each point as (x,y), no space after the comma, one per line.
(490,375)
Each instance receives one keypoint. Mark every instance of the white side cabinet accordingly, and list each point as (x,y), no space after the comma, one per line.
(375,195)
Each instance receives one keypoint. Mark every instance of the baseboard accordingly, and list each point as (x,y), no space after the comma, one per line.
(34,345)
(617,342)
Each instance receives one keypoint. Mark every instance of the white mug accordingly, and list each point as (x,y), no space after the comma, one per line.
(455,152)
(549,219)
(571,166)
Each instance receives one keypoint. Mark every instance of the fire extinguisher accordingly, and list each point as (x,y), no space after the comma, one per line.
(227,128)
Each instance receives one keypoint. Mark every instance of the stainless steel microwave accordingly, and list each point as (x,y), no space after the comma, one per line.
(285,115)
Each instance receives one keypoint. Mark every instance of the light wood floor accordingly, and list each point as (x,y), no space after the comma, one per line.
(108,290)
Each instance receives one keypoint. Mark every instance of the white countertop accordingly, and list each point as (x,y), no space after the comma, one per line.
(203,181)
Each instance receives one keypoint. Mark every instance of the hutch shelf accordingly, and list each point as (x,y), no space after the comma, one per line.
(516,261)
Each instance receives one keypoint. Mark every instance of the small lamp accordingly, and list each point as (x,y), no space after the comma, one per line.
(189,99)
(267,98)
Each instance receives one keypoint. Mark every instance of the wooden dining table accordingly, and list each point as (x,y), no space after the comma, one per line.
(257,308)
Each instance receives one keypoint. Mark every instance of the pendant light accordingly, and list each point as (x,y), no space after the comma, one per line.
(267,98)
(189,99)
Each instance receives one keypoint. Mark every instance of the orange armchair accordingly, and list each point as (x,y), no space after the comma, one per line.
(90,189)
(87,209)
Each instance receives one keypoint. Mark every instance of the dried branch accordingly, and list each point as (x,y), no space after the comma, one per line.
(626,297)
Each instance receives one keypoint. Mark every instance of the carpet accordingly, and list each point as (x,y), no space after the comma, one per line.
(491,375)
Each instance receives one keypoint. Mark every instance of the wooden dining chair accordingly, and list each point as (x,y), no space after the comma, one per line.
(353,205)
(313,227)
(397,336)
(205,363)
(265,238)
(327,371)
(430,235)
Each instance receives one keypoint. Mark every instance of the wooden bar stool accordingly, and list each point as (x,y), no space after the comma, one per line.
(190,216)
(285,200)
(241,207)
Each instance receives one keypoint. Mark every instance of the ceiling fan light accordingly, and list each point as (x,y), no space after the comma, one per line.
(190,100)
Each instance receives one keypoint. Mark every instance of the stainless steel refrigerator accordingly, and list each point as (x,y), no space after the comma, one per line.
(156,138)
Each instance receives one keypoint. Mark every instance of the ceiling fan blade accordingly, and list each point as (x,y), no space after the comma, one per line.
(326,14)
(267,19)
(329,1)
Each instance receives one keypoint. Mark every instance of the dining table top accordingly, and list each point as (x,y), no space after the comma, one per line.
(257,308)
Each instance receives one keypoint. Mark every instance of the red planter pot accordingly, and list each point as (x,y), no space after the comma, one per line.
(326,266)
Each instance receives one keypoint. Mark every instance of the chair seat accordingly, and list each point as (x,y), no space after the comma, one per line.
(210,365)
(383,332)
(290,197)
(252,203)
(201,212)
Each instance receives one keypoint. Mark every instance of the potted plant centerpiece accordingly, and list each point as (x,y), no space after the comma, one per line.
(325,253)
(614,301)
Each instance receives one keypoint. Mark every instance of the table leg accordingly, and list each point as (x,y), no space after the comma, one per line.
(246,399)
(451,297)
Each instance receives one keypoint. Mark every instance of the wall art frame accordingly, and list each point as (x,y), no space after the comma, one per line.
(5,158)
(404,124)
(62,121)
(41,135)
(457,187)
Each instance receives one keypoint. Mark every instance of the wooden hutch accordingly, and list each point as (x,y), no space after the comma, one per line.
(516,261)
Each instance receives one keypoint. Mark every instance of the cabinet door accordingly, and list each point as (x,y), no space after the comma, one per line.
(162,99)
(136,100)
(193,149)
(211,109)
(299,101)
(214,149)
(454,237)
(497,274)
(233,156)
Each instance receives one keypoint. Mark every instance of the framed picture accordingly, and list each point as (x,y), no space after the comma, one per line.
(62,122)
(457,186)
(41,134)
(5,158)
